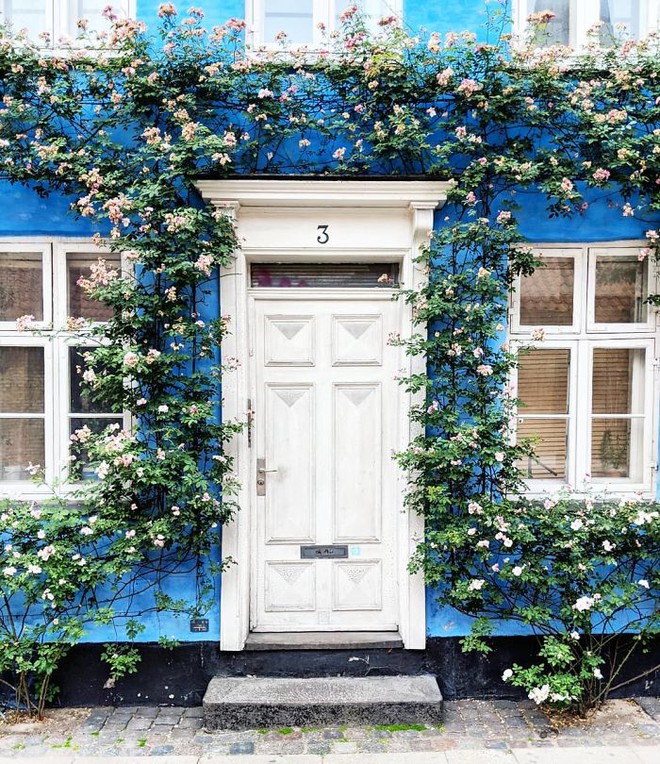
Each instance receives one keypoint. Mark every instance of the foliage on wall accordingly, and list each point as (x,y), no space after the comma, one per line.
(128,129)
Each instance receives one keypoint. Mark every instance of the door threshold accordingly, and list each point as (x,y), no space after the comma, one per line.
(322,640)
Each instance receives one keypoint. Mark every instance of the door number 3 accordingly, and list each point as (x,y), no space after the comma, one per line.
(323,237)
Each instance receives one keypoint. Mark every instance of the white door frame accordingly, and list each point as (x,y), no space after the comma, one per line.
(277,220)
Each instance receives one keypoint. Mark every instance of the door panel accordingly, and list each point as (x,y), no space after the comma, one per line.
(290,495)
(357,462)
(325,428)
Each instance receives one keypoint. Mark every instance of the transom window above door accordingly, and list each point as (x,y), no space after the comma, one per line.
(46,21)
(304,22)
(585,378)
(572,19)
(324,275)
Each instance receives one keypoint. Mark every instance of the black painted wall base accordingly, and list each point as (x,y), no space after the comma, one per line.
(180,676)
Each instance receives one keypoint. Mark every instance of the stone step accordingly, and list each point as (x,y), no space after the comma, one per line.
(323,640)
(258,702)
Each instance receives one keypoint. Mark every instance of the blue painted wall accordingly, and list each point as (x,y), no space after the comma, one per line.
(25,214)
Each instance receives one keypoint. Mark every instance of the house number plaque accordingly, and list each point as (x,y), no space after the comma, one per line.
(321,552)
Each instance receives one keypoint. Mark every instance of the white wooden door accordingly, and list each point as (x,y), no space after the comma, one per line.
(324,431)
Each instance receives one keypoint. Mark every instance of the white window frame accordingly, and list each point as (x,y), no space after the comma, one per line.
(56,344)
(324,12)
(584,15)
(581,340)
(61,17)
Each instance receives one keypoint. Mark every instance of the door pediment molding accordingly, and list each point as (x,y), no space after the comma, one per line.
(259,192)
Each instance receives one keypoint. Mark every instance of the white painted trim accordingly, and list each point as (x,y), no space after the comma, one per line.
(581,339)
(584,15)
(56,343)
(61,17)
(370,194)
(415,201)
(324,12)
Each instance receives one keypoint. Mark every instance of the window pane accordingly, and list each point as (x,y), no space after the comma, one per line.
(558,28)
(92,10)
(619,12)
(21,443)
(617,448)
(80,400)
(329,275)
(546,297)
(621,288)
(617,389)
(543,376)
(79,467)
(549,439)
(543,381)
(28,14)
(21,380)
(617,381)
(21,285)
(295,17)
(80,303)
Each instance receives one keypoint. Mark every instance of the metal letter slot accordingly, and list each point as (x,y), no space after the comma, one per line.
(261,477)
(323,552)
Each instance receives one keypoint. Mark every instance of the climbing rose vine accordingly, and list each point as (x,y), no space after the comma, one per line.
(127,130)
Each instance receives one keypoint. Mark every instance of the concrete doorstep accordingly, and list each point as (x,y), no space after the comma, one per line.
(234,703)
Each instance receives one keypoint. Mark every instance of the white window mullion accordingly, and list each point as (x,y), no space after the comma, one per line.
(60,362)
(323,14)
(60,287)
(648,455)
(584,14)
(574,434)
(582,400)
(53,403)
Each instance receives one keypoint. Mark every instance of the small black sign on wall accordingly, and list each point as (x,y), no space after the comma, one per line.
(198,625)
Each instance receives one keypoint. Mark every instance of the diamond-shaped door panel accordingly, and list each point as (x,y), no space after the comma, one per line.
(357,340)
(289,341)
(357,585)
(290,586)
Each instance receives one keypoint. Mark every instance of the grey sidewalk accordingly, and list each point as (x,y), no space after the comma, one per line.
(474,732)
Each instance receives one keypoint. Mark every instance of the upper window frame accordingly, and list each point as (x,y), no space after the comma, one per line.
(584,15)
(584,258)
(63,20)
(324,12)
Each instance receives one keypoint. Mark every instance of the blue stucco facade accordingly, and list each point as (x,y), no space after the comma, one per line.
(27,215)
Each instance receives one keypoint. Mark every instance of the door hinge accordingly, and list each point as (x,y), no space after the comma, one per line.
(250,416)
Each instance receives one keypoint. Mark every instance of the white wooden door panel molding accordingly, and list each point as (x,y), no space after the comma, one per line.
(328,437)
(325,368)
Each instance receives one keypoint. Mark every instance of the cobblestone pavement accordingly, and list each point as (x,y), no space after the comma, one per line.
(483,731)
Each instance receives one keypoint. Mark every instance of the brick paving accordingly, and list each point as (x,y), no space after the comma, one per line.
(493,727)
